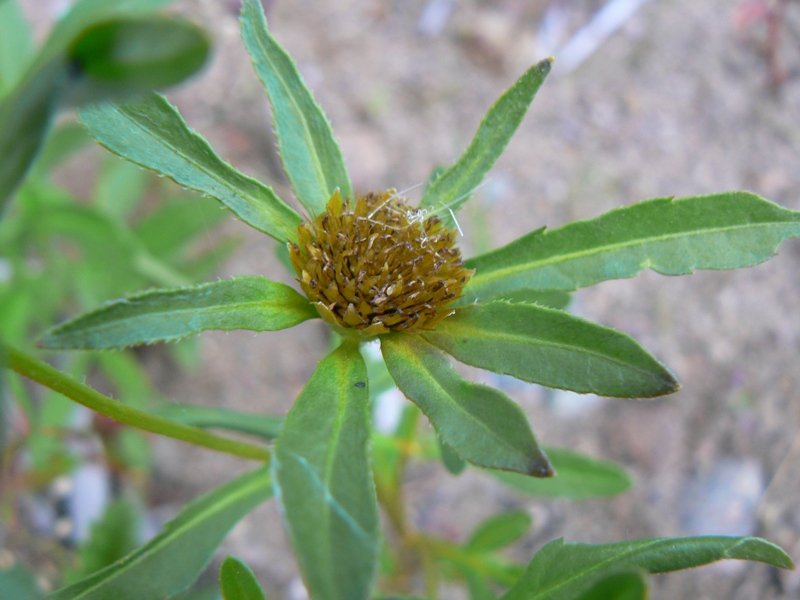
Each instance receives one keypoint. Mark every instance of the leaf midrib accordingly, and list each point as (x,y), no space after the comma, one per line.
(479,279)
(461,409)
(498,134)
(320,171)
(510,337)
(182,311)
(256,204)
(143,553)
(638,550)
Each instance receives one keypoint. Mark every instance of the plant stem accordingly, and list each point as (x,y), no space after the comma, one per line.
(42,373)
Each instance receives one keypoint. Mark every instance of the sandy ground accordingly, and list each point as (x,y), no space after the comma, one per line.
(675,103)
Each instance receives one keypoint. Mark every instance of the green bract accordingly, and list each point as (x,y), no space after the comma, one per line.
(321,462)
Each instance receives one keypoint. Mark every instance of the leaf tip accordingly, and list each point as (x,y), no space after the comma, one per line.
(541,467)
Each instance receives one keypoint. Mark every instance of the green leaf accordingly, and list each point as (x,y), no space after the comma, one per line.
(115,535)
(499,531)
(562,570)
(264,426)
(27,112)
(451,460)
(25,118)
(172,560)
(619,586)
(452,188)
(87,13)
(552,348)
(20,584)
(311,157)
(238,582)
(16,45)
(151,133)
(577,476)
(244,302)
(324,483)
(480,423)
(549,298)
(200,592)
(127,57)
(672,237)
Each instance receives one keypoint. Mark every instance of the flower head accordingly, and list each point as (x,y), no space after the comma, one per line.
(379,265)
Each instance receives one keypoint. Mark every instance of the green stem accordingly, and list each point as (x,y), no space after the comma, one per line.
(42,373)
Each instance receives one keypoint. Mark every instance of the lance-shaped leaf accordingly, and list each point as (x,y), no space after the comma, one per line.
(577,476)
(452,188)
(245,302)
(311,157)
(172,560)
(672,237)
(552,348)
(151,133)
(562,570)
(480,423)
(238,582)
(324,483)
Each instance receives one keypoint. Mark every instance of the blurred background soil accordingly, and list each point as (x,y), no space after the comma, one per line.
(680,100)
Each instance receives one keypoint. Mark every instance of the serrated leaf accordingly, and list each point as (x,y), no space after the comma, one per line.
(562,570)
(310,155)
(672,237)
(172,560)
(151,133)
(577,476)
(452,188)
(16,44)
(126,57)
(244,302)
(238,582)
(264,426)
(552,348)
(549,298)
(324,483)
(480,423)
(498,531)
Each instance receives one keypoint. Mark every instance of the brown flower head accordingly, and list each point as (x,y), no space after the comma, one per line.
(379,266)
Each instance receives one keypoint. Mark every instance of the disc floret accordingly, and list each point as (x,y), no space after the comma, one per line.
(379,266)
